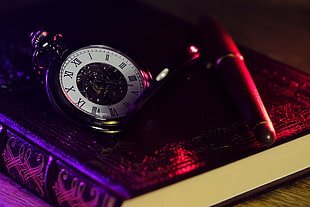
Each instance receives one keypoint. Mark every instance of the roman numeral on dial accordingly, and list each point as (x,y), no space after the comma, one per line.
(90,56)
(122,65)
(68,74)
(132,78)
(126,104)
(81,103)
(107,57)
(113,112)
(95,110)
(76,62)
(135,92)
(70,89)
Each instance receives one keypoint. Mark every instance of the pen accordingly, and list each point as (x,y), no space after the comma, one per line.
(186,57)
(230,65)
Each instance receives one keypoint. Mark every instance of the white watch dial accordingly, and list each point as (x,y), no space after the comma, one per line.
(100,81)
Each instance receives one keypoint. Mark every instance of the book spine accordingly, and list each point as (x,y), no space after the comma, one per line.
(49,177)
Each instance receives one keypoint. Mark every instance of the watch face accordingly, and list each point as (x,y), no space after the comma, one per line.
(100,82)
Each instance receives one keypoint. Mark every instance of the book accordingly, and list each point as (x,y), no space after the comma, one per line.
(188,147)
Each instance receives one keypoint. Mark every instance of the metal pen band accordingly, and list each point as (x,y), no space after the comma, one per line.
(260,123)
(228,55)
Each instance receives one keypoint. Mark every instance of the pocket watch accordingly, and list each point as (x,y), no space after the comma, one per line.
(94,85)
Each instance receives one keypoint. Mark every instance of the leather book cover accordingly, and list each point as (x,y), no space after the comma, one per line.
(190,128)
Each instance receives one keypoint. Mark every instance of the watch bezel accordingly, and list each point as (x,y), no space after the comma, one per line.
(64,106)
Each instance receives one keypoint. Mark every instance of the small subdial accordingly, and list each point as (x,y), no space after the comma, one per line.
(101,83)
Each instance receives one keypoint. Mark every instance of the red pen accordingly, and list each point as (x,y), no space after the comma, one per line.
(230,65)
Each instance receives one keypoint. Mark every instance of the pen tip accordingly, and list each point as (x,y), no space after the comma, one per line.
(265,134)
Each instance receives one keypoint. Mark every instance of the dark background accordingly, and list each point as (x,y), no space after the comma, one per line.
(277,28)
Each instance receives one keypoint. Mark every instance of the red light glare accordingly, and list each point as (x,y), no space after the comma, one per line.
(183,161)
(147,77)
(44,33)
(193,49)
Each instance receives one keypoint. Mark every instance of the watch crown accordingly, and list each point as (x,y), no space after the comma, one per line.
(47,48)
(58,40)
(37,37)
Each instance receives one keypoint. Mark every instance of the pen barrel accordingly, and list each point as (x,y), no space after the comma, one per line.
(241,86)
(239,83)
(216,41)
(230,65)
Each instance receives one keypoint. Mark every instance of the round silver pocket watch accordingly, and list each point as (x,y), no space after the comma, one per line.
(94,86)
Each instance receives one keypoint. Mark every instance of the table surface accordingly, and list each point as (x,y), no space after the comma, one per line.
(279,29)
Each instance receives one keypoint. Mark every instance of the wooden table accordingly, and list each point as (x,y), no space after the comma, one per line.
(279,29)
(13,195)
